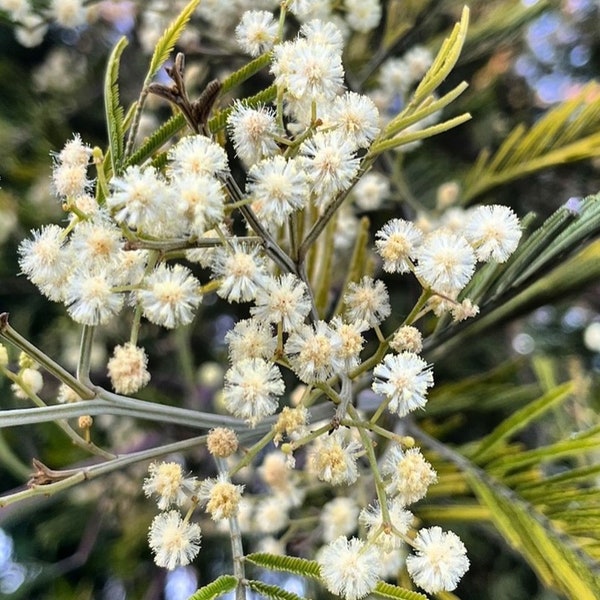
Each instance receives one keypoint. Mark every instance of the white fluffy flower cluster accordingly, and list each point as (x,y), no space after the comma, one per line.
(173,540)
(444,259)
(351,568)
(315,352)
(347,565)
(88,267)
(309,74)
(444,255)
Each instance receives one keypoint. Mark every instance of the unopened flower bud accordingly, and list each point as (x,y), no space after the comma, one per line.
(407,441)
(222,442)
(85,422)
(127,369)
(407,339)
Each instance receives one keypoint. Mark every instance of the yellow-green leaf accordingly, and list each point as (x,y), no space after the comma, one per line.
(423,103)
(387,590)
(169,38)
(567,133)
(274,592)
(556,559)
(290,564)
(220,586)
(115,115)
(520,419)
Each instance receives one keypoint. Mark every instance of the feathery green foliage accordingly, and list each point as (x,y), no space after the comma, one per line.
(168,39)
(578,444)
(115,115)
(290,564)
(586,222)
(556,561)
(220,586)
(423,103)
(157,139)
(567,133)
(521,419)
(248,70)
(444,62)
(274,592)
(387,590)
(542,517)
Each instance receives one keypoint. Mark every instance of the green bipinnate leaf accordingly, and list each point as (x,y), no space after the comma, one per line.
(521,419)
(535,245)
(552,521)
(445,60)
(559,563)
(220,586)
(387,590)
(157,139)
(169,38)
(290,564)
(274,592)
(115,115)
(567,133)
(585,223)
(578,444)
(423,102)
(241,75)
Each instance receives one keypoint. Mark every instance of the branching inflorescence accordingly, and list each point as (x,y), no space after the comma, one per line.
(319,326)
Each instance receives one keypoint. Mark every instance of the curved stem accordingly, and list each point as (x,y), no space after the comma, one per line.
(256,448)
(15,338)
(376,416)
(272,248)
(85,353)
(67,478)
(345,396)
(137,115)
(107,403)
(379,486)
(135,325)
(185,357)
(313,435)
